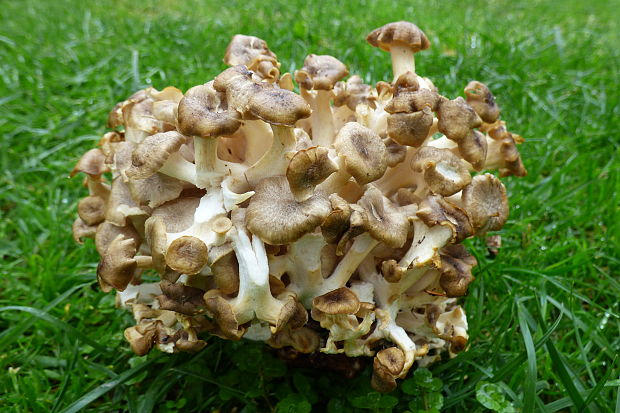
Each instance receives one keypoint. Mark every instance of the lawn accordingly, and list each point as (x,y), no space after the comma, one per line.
(544,314)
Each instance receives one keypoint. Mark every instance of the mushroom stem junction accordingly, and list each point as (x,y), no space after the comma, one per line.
(322,119)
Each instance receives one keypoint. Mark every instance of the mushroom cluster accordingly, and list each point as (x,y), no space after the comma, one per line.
(325,221)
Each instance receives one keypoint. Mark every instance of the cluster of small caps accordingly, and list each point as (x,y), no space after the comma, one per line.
(325,221)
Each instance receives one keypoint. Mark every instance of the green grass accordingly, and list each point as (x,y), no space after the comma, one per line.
(544,315)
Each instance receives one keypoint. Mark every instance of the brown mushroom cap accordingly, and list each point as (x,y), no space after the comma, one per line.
(120,157)
(186,340)
(278,106)
(435,210)
(155,190)
(222,312)
(395,152)
(292,314)
(410,129)
(337,222)
(352,93)
(456,265)
(486,203)
(320,72)
(286,82)
(456,119)
(364,152)
(166,111)
(237,85)
(303,340)
(482,100)
(387,365)
(121,205)
(277,217)
(181,298)
(169,93)
(91,163)
(108,142)
(187,255)
(406,82)
(384,90)
(243,49)
(444,172)
(155,232)
(400,33)
(381,218)
(308,168)
(266,67)
(81,230)
(107,232)
(474,149)
(514,166)
(116,117)
(178,215)
(151,154)
(202,113)
(141,337)
(391,271)
(92,210)
(138,116)
(117,265)
(414,101)
(226,273)
(221,225)
(339,301)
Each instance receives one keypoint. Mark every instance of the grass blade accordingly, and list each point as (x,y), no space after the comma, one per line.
(564,376)
(601,384)
(529,386)
(13,333)
(66,378)
(57,323)
(99,391)
(240,395)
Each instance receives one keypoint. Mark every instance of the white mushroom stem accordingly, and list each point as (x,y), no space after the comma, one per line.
(374,119)
(402,175)
(322,119)
(338,179)
(275,160)
(135,135)
(303,265)
(178,167)
(144,293)
(399,176)
(96,187)
(425,244)
(388,301)
(444,143)
(402,60)
(342,115)
(254,298)
(427,280)
(345,328)
(209,209)
(422,189)
(258,138)
(205,157)
(386,293)
(494,160)
(144,261)
(452,324)
(231,197)
(360,248)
